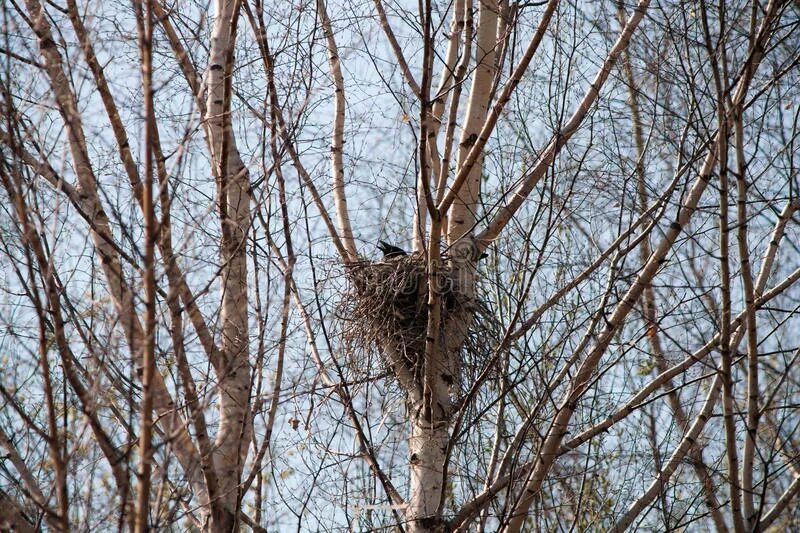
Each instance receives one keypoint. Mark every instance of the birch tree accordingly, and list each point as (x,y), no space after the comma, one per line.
(592,326)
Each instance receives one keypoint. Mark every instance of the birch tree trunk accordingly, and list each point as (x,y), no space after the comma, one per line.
(233,368)
(463,211)
(431,419)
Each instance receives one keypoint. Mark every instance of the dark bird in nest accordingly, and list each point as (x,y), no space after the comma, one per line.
(390,251)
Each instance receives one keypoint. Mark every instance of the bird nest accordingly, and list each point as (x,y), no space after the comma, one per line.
(385,308)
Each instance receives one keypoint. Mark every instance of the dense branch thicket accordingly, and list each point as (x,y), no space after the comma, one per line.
(594,328)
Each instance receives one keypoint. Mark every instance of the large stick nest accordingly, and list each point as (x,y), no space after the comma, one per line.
(386,303)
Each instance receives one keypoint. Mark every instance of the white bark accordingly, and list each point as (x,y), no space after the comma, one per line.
(426,446)
(447,79)
(233,371)
(337,138)
(475,153)
(461,217)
